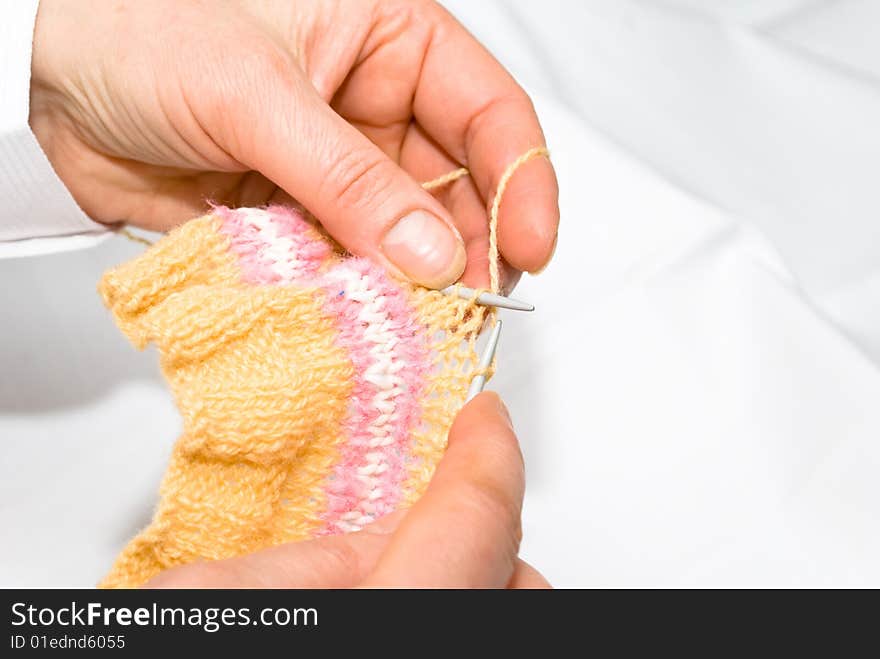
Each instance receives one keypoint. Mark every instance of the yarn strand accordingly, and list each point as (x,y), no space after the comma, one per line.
(495,208)
(133,237)
(440,181)
(494,277)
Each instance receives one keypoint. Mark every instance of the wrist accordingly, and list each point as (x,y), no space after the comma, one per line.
(45,97)
(50,35)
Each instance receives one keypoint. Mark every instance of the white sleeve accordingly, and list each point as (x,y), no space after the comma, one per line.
(38,215)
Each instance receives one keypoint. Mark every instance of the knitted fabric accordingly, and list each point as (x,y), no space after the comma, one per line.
(316,391)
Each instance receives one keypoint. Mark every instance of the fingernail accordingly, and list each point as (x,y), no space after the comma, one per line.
(504,411)
(549,259)
(502,408)
(426,249)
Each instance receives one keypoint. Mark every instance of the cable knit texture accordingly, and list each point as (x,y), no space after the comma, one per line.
(316,391)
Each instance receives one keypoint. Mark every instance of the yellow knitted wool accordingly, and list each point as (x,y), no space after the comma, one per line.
(263,389)
(316,392)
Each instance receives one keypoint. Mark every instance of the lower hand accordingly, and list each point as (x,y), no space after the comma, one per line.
(463,533)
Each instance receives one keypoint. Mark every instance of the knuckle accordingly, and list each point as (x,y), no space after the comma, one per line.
(498,106)
(420,10)
(424,12)
(248,87)
(501,451)
(488,500)
(342,556)
(273,63)
(199,572)
(517,535)
(359,180)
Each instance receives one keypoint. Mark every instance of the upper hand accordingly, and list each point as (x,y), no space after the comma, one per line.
(147,109)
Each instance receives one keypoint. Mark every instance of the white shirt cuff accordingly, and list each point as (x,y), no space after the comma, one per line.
(38,214)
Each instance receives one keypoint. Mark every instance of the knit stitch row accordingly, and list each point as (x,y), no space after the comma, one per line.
(316,390)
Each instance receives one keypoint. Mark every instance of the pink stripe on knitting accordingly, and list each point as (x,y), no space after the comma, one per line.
(278,246)
(274,245)
(346,489)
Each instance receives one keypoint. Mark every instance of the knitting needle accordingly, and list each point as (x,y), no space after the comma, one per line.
(488,299)
(479,381)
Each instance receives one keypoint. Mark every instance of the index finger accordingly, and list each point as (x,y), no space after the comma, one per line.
(465,531)
(477,112)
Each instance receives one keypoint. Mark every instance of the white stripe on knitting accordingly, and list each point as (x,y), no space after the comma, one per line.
(384,375)
(280,251)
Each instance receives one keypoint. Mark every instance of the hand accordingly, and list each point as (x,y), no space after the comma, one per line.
(147,109)
(463,533)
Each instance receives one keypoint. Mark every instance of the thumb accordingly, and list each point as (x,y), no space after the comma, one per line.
(362,198)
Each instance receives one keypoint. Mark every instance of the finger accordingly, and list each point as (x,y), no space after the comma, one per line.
(465,531)
(284,129)
(476,111)
(426,160)
(526,577)
(339,561)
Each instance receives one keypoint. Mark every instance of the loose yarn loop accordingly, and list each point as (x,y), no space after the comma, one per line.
(495,208)
(316,391)
(440,181)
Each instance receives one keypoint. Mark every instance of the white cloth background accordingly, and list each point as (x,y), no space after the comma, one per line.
(697,393)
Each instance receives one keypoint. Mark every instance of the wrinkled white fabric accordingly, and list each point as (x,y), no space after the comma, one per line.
(697,392)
